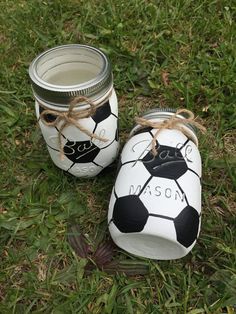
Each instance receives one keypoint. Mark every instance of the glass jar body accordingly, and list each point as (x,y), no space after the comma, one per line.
(155,206)
(60,76)
(84,156)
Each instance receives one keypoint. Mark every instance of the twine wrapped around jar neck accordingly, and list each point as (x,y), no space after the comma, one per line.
(172,123)
(72,117)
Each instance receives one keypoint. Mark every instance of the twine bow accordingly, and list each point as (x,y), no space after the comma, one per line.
(172,123)
(71,117)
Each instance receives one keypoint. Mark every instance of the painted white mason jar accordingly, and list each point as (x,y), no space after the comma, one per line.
(155,206)
(61,75)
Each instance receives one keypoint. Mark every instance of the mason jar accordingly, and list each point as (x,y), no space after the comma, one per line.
(155,206)
(76,107)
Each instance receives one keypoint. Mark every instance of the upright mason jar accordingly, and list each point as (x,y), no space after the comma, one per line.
(76,106)
(155,206)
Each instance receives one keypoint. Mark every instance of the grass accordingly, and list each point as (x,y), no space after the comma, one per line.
(176,53)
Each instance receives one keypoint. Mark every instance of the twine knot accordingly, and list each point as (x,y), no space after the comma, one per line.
(174,122)
(71,117)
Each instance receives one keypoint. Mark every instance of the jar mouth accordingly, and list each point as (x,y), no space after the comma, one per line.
(68,71)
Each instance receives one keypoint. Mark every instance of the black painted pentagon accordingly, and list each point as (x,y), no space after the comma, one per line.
(47,117)
(81,152)
(169,162)
(102,113)
(129,214)
(117,132)
(186,226)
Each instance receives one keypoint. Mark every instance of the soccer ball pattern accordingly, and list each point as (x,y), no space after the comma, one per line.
(160,195)
(88,156)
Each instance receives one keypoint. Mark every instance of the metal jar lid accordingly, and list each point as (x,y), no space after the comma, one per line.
(61,73)
(163,113)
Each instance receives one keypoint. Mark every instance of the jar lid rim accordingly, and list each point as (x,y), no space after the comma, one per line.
(164,113)
(63,94)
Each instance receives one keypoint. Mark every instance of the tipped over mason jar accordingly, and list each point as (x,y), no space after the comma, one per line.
(155,206)
(76,107)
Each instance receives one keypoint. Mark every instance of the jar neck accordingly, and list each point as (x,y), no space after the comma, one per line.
(160,115)
(82,106)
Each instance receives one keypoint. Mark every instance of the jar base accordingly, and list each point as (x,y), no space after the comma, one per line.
(150,246)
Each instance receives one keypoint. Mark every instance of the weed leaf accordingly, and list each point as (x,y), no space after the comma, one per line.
(78,241)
